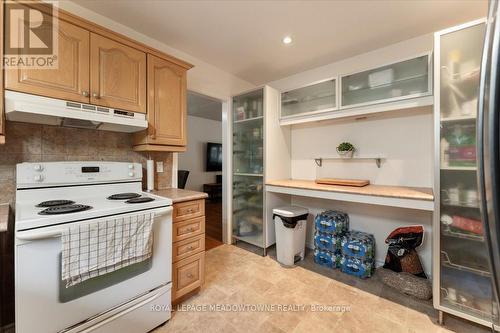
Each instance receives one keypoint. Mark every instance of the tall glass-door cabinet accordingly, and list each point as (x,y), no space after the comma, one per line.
(462,278)
(248,167)
(255,123)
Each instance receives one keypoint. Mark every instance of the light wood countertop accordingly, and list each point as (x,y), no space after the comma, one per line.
(400,192)
(180,195)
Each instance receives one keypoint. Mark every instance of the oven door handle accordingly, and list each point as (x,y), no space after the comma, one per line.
(37,234)
(31,235)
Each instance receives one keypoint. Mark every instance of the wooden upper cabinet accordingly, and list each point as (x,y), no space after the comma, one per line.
(117,75)
(70,81)
(166,104)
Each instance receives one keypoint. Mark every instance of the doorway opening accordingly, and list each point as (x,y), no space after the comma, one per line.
(200,168)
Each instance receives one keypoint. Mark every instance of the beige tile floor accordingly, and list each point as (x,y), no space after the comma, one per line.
(238,277)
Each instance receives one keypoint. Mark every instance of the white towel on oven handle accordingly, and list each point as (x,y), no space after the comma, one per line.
(104,246)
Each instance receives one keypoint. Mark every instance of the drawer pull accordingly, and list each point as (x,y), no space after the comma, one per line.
(190,248)
(189,275)
(191,229)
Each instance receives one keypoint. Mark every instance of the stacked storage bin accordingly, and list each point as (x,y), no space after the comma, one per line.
(330,227)
(358,254)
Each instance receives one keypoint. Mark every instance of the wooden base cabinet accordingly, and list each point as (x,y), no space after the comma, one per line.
(188,248)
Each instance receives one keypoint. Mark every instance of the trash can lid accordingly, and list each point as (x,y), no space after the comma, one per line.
(290,211)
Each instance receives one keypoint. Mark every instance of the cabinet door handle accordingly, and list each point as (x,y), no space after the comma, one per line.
(85,93)
(189,275)
(96,95)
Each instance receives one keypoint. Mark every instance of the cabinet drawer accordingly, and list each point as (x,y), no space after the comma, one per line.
(189,209)
(187,229)
(188,247)
(188,274)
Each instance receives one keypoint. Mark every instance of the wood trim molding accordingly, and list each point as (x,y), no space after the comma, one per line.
(105,32)
(148,147)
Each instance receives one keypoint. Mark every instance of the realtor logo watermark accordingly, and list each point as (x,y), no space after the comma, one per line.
(31,36)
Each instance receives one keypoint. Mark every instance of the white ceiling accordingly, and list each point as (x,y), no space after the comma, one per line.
(244,37)
(204,107)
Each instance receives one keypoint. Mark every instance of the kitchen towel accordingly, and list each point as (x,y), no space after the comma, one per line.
(104,246)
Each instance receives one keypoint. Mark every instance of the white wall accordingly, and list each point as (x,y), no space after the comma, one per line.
(405,137)
(405,141)
(200,131)
(204,78)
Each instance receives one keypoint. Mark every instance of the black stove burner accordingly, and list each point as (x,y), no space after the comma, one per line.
(52,203)
(139,200)
(64,209)
(123,196)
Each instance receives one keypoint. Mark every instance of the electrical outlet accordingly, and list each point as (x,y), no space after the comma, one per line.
(159,166)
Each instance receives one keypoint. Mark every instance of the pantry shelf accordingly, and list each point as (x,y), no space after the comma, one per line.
(459,168)
(248,120)
(462,307)
(447,263)
(248,174)
(451,233)
(458,119)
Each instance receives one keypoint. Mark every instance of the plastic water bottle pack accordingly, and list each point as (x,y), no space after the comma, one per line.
(332,222)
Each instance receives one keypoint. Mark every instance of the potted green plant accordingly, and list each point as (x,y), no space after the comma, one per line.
(345,149)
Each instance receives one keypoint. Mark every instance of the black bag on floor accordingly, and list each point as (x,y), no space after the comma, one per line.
(401,255)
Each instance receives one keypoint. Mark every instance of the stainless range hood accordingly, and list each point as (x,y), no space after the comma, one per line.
(50,111)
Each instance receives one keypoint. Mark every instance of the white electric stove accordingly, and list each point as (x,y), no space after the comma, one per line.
(52,196)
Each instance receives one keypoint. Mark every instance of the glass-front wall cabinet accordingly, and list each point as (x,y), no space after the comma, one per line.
(248,167)
(401,80)
(464,274)
(312,99)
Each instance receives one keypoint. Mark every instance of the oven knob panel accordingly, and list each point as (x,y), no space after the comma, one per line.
(38,167)
(38,178)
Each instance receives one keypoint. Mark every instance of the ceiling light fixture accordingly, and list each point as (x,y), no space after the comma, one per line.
(287,40)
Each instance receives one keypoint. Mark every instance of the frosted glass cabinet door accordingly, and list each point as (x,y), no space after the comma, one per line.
(465,278)
(248,209)
(248,106)
(460,60)
(401,80)
(315,98)
(248,167)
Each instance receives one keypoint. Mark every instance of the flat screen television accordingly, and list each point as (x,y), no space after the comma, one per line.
(214,157)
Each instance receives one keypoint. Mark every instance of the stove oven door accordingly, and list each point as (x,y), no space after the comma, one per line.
(44,304)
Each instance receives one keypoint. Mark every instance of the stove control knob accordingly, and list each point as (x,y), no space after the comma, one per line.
(131,174)
(38,178)
(130,166)
(38,167)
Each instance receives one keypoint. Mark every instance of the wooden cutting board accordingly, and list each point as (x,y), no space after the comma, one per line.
(343,182)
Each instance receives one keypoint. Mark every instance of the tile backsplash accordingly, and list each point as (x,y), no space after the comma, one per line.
(42,143)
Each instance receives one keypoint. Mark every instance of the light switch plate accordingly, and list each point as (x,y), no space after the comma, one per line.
(159,166)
